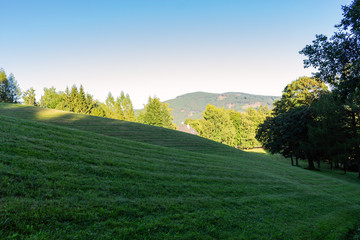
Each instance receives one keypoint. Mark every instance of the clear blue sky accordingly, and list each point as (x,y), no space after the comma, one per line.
(161,47)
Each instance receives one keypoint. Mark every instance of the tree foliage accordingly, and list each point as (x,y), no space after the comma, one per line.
(286,132)
(301,92)
(9,89)
(337,60)
(328,134)
(230,127)
(120,108)
(50,99)
(156,113)
(74,101)
(29,97)
(246,125)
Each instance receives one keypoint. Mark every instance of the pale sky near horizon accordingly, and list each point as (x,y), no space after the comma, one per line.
(161,47)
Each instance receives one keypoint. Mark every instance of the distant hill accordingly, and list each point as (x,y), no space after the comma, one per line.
(191,105)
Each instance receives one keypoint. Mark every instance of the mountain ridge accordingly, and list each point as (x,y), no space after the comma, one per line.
(191,105)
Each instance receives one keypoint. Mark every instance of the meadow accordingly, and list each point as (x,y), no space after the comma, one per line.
(71,176)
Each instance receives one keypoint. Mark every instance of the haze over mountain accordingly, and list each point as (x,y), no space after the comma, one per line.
(191,105)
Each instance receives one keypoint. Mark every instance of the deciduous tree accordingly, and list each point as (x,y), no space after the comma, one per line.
(156,113)
(29,97)
(337,60)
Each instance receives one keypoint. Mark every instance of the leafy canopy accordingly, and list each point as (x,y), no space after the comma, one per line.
(156,113)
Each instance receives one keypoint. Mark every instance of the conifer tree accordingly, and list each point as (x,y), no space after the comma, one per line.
(73,100)
(4,85)
(81,101)
(9,88)
(127,107)
(90,104)
(14,92)
(112,108)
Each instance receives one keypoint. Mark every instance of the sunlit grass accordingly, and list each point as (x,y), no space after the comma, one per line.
(62,183)
(255,150)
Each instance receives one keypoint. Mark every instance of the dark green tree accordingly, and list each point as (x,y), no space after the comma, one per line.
(337,60)
(328,134)
(81,106)
(73,99)
(90,104)
(287,134)
(287,131)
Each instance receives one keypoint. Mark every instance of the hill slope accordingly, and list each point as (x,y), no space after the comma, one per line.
(62,183)
(111,127)
(191,105)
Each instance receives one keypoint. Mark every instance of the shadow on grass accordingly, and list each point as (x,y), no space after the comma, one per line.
(116,128)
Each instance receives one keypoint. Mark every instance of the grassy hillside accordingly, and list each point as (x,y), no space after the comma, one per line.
(64,183)
(110,127)
(191,105)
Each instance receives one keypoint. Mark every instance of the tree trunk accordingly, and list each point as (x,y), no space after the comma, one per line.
(357,158)
(355,136)
(311,163)
(331,165)
(297,161)
(292,160)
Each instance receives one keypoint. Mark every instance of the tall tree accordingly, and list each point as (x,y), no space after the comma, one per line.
(216,124)
(81,101)
(4,86)
(73,101)
(328,135)
(301,92)
(156,113)
(127,107)
(112,108)
(50,99)
(14,92)
(287,131)
(90,104)
(29,97)
(337,60)
(9,88)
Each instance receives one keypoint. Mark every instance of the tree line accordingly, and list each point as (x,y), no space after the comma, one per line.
(76,100)
(312,122)
(225,126)
(230,127)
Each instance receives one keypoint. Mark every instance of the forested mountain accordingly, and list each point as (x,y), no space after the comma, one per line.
(191,105)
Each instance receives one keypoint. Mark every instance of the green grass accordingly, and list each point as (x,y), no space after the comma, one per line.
(58,182)
(125,130)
